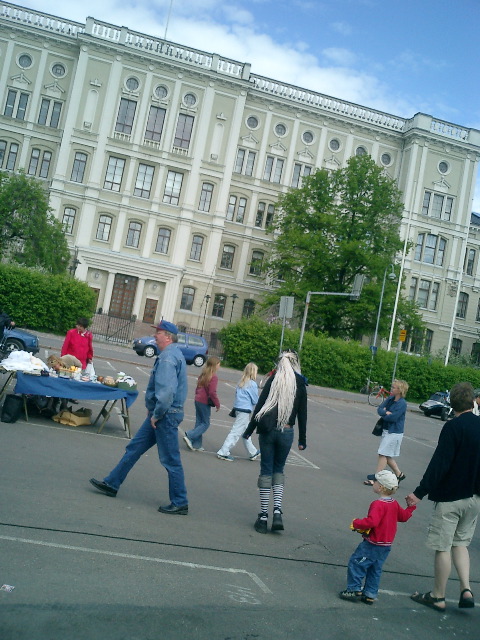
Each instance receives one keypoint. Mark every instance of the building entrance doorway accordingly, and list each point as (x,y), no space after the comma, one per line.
(123,296)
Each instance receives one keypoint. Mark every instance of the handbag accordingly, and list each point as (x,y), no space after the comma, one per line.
(12,408)
(233,413)
(378,428)
(210,402)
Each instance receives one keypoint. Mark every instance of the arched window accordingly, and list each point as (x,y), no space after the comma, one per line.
(68,220)
(163,240)
(196,249)
(256,263)
(205,197)
(219,305)
(248,308)
(228,255)
(133,234)
(104,227)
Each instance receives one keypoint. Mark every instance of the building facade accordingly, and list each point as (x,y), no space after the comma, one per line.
(165,163)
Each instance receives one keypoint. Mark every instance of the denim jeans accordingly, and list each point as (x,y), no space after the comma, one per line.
(366,564)
(274,447)
(165,436)
(202,422)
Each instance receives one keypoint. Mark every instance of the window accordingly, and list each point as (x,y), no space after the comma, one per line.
(438,206)
(248,308)
(79,165)
(68,220)
(143,183)
(386,159)
(456,346)
(113,177)
(104,227)
(430,249)
(476,353)
(360,151)
(300,171)
(256,263)
(443,167)
(236,208)
(252,122)
(273,169)
(462,305)
(50,111)
(156,118)
(133,234)
(132,84)
(334,144)
(245,162)
(427,344)
(58,70)
(126,114)
(205,197)
(16,104)
(183,133)
(280,130)
(3,148)
(190,99)
(33,164)
(307,137)
(469,262)
(478,312)
(228,254)
(219,305)
(425,293)
(188,295)
(161,92)
(45,166)
(173,187)
(163,240)
(197,246)
(25,61)
(260,217)
(12,157)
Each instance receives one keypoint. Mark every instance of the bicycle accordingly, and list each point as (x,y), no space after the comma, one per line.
(378,395)
(368,388)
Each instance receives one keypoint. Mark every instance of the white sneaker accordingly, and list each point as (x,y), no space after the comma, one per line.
(229,458)
(189,443)
(255,456)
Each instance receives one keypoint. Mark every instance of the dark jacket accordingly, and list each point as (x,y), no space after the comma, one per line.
(5,323)
(454,470)
(269,421)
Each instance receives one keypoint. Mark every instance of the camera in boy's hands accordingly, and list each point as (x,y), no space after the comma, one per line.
(364,531)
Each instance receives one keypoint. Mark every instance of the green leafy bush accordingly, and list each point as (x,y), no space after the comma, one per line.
(44,302)
(335,363)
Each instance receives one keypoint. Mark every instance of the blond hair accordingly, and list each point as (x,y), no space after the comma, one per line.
(284,388)
(402,387)
(249,373)
(209,369)
(386,492)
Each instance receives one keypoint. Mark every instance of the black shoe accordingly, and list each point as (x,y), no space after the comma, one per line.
(277,524)
(260,524)
(171,508)
(104,488)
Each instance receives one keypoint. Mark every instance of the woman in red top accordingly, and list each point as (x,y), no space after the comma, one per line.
(79,343)
(205,398)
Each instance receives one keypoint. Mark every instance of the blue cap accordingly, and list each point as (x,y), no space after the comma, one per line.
(163,325)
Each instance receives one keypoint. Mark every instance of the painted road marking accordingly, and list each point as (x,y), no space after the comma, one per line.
(130,556)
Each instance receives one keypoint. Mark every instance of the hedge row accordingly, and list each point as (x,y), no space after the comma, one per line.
(44,302)
(337,364)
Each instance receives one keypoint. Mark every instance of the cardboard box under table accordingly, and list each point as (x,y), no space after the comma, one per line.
(68,388)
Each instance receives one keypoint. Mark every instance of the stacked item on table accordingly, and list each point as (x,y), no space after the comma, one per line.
(23,361)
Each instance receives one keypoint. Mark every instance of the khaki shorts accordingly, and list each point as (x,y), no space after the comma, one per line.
(453,523)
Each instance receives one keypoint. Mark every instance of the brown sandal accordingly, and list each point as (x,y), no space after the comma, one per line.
(428,600)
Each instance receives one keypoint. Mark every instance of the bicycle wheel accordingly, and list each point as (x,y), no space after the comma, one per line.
(375,398)
(364,390)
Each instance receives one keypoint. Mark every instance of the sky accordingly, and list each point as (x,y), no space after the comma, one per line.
(398,56)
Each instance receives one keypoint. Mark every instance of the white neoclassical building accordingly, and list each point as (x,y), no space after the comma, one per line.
(165,164)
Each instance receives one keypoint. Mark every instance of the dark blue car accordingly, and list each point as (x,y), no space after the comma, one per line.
(20,340)
(194,348)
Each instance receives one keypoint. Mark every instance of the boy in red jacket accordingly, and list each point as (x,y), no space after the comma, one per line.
(378,530)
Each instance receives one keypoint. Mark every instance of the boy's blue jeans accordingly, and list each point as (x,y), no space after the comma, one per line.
(366,564)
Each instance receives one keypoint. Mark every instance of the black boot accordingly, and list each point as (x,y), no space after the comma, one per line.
(261,523)
(277,524)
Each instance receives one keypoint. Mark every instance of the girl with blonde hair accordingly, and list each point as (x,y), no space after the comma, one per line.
(246,397)
(283,400)
(205,398)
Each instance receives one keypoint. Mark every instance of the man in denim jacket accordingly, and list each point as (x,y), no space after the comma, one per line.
(165,396)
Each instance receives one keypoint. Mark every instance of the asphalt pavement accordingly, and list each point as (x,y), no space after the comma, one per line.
(87,567)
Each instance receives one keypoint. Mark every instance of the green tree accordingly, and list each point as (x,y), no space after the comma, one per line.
(338,225)
(29,234)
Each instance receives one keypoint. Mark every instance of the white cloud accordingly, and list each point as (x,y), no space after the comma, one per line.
(342,57)
(343,28)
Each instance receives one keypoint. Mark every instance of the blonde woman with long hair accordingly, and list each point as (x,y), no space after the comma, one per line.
(246,397)
(282,402)
(205,398)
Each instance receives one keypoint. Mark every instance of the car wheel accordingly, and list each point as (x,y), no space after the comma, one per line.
(198,361)
(444,414)
(426,414)
(149,351)
(11,344)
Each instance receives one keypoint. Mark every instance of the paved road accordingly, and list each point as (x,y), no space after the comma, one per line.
(89,567)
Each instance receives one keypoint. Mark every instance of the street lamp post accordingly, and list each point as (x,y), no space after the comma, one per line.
(234,298)
(75,262)
(206,298)
(373,348)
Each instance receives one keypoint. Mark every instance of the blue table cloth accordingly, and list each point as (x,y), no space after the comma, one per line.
(68,388)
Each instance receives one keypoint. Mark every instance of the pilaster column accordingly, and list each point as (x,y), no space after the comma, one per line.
(107,298)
